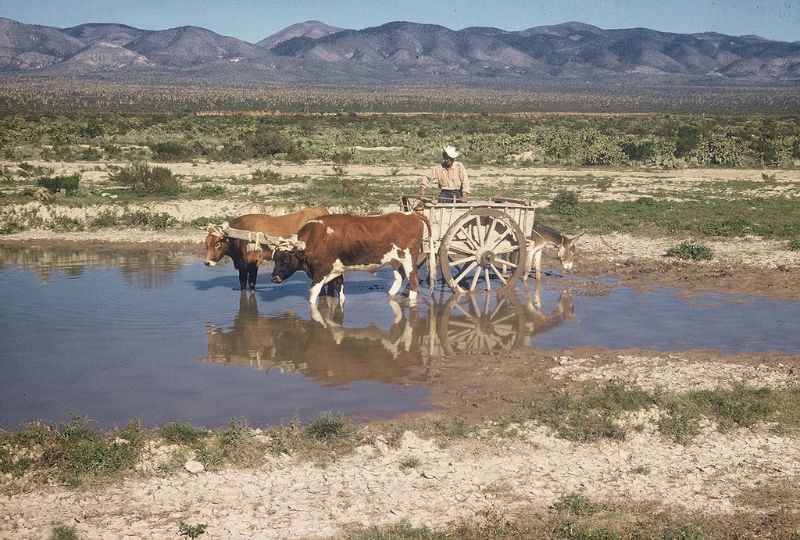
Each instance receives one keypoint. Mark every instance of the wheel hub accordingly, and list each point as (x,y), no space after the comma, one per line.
(485,258)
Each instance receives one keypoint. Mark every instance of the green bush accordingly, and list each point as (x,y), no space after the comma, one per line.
(327,426)
(266,176)
(143,179)
(691,250)
(793,245)
(170,151)
(565,203)
(59,183)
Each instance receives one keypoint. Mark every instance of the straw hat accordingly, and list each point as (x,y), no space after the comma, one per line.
(450,151)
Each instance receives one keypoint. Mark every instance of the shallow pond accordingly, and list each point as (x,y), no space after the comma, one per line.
(115,336)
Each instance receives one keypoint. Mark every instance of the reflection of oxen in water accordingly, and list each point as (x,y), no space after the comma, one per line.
(326,350)
(322,349)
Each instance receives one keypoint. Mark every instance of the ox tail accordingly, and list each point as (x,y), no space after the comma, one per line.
(431,256)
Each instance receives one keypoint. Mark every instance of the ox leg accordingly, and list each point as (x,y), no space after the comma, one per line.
(398,279)
(316,288)
(252,275)
(243,277)
(410,269)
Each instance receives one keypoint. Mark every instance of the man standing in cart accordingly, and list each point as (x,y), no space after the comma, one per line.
(451,177)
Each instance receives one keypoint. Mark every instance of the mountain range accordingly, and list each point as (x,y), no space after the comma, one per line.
(393,53)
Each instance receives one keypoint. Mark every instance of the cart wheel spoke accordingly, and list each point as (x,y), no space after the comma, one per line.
(497,273)
(471,265)
(475,278)
(459,262)
(505,262)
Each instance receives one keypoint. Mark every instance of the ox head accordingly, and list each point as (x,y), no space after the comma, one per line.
(217,245)
(288,257)
(566,251)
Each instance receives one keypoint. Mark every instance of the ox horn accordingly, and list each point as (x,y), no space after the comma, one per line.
(290,244)
(216,230)
(575,238)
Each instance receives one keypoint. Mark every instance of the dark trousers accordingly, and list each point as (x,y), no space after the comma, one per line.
(450,195)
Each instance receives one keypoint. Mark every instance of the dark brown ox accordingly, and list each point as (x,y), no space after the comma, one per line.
(336,244)
(246,255)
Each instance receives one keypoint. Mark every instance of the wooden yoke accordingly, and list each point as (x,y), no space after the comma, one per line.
(272,242)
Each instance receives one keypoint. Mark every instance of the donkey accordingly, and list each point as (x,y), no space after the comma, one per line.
(542,236)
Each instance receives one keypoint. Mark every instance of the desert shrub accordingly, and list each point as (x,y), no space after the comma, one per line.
(59,183)
(170,151)
(793,245)
(691,250)
(327,426)
(266,176)
(211,190)
(143,179)
(565,203)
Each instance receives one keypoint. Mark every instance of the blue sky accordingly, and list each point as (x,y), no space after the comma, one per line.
(253,20)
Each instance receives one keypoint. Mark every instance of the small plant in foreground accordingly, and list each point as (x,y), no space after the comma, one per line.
(575,504)
(327,426)
(62,532)
(793,245)
(183,433)
(410,462)
(191,531)
(691,250)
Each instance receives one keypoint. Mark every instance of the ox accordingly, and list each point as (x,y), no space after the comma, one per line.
(329,246)
(246,255)
(543,236)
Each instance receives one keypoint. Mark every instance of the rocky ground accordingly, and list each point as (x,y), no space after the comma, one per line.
(521,468)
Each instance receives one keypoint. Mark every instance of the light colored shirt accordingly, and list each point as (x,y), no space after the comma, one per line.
(453,178)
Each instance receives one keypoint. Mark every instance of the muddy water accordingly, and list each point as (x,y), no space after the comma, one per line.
(160,337)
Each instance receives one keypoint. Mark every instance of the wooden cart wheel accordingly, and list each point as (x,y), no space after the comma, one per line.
(482,245)
(481,322)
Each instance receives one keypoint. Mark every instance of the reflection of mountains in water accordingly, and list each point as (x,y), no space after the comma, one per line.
(327,351)
(144,269)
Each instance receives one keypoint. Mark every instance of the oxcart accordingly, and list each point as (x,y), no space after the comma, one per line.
(474,243)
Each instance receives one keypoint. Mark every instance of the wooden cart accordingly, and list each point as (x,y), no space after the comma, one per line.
(474,243)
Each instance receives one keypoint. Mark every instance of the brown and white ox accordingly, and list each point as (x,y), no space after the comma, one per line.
(335,244)
(543,236)
(245,255)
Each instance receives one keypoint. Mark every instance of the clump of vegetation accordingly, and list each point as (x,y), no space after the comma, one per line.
(575,504)
(63,532)
(410,462)
(266,176)
(327,426)
(68,184)
(177,433)
(133,218)
(591,416)
(144,179)
(565,203)
(71,452)
(793,245)
(208,190)
(191,531)
(171,151)
(694,251)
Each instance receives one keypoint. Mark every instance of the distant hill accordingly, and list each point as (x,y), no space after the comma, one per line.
(395,53)
(308,29)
